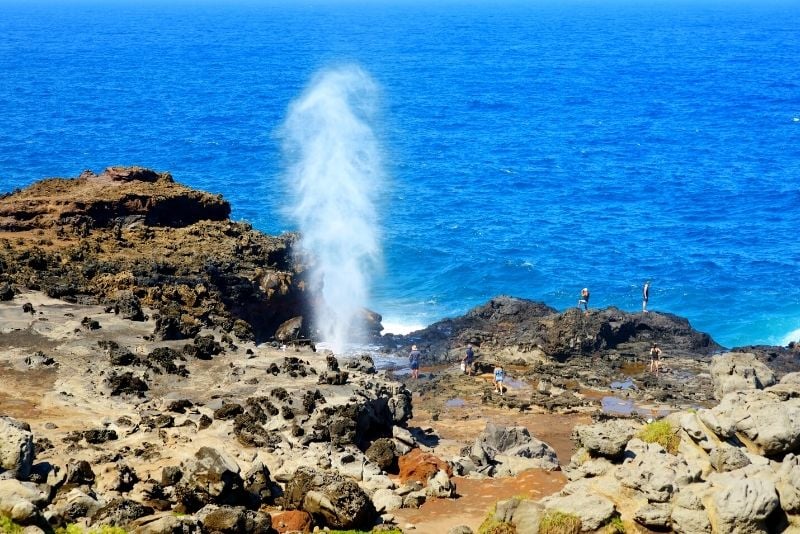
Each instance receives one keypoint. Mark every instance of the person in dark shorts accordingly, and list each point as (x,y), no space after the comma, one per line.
(645,296)
(413,360)
(469,357)
(655,358)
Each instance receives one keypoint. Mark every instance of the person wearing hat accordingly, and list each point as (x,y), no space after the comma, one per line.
(413,360)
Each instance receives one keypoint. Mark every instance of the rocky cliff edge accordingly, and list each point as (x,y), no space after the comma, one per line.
(131,237)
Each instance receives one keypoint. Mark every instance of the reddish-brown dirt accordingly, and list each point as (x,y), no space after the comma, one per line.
(457,425)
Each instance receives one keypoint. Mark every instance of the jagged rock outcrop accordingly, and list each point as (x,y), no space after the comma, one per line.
(16,448)
(731,468)
(606,439)
(524,330)
(338,501)
(737,371)
(505,451)
(132,237)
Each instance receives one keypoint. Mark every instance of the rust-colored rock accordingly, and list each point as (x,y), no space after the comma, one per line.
(420,466)
(292,521)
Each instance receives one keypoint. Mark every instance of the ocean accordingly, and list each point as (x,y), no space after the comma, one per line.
(530,148)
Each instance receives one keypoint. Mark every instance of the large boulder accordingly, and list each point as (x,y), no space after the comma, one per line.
(738,371)
(742,506)
(211,477)
(419,466)
(6,291)
(689,514)
(332,499)
(727,458)
(383,453)
(128,306)
(292,521)
(788,483)
(593,510)
(386,500)
(71,506)
(513,448)
(653,515)
(770,422)
(289,330)
(16,448)
(233,520)
(654,472)
(165,523)
(259,485)
(608,438)
(440,486)
(524,514)
(121,512)
(21,501)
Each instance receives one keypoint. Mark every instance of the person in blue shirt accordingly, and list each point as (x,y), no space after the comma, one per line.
(469,357)
(413,360)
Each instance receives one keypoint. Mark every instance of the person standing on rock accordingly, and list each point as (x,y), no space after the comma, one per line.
(413,360)
(469,357)
(655,358)
(645,296)
(584,300)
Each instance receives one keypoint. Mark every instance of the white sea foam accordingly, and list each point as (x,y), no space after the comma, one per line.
(794,335)
(334,176)
(400,328)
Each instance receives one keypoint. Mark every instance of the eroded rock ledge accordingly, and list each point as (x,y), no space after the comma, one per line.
(525,327)
(131,237)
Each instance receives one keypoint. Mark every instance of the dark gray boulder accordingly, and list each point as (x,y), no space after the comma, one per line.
(332,499)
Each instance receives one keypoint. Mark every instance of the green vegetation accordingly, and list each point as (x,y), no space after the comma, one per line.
(661,432)
(555,522)
(491,525)
(7,526)
(615,526)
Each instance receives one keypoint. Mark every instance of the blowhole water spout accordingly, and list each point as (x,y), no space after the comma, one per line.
(334,175)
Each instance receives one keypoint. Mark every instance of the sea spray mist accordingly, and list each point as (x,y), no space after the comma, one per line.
(334,175)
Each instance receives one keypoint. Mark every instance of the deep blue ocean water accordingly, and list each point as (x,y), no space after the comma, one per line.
(532,149)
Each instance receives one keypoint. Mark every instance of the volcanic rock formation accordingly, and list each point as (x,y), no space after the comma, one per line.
(131,237)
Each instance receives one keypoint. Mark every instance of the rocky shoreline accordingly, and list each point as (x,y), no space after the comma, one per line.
(158,376)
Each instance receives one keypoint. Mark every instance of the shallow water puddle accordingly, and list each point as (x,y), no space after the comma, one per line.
(623,384)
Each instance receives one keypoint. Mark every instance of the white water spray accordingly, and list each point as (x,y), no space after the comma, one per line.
(334,176)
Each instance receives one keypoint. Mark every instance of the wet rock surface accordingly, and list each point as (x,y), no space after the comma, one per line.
(526,331)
